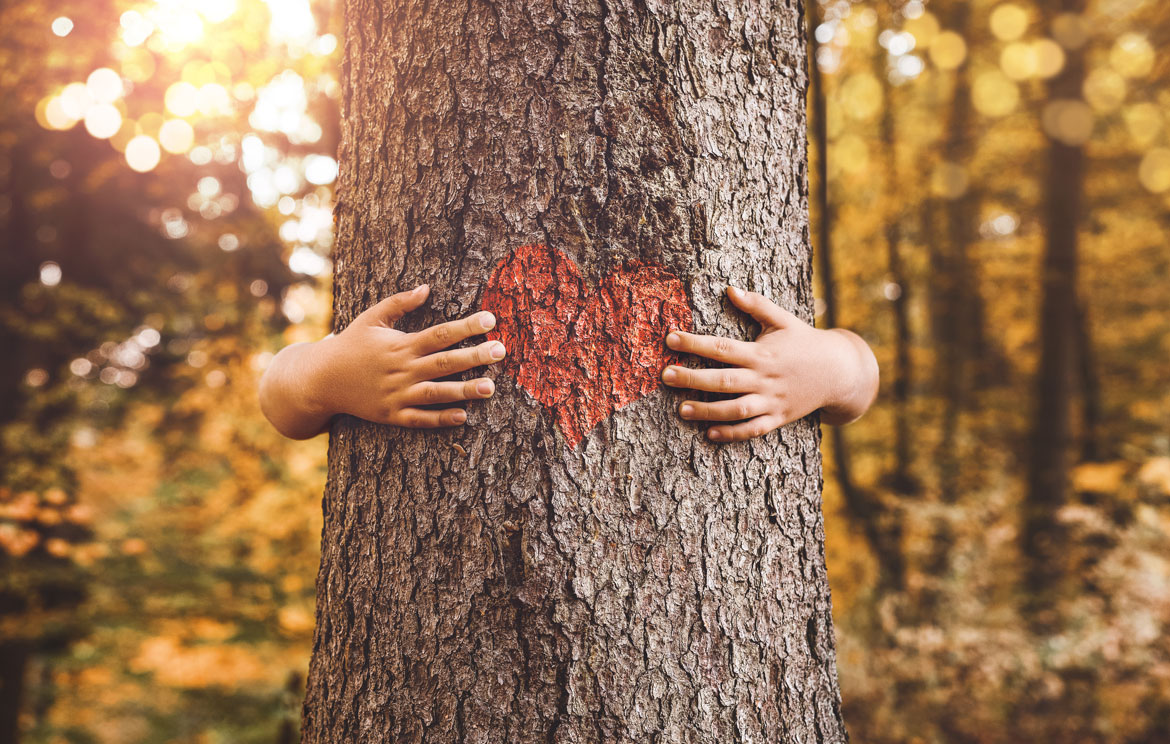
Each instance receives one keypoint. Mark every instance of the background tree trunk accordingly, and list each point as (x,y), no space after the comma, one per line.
(14,658)
(1042,536)
(642,585)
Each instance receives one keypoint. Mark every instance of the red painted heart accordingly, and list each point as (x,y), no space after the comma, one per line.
(583,353)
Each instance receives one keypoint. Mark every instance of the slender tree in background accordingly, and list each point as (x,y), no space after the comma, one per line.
(505,581)
(860,504)
(1089,380)
(902,478)
(1042,535)
(953,280)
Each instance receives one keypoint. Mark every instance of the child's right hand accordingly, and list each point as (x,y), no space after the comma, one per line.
(374,372)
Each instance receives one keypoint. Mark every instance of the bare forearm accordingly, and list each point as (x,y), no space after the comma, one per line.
(857,383)
(289,394)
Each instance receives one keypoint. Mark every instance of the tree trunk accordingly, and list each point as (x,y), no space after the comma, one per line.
(503,582)
(14,658)
(1042,537)
(956,287)
(862,506)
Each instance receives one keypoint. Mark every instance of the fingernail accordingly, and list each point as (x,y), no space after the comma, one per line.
(460,417)
(715,434)
(498,351)
(669,374)
(420,288)
(686,410)
(484,387)
(487,321)
(673,339)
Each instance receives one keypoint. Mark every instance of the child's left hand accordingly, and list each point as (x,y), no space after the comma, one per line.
(789,371)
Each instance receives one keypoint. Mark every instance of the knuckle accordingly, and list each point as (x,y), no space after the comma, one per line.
(726,381)
(432,393)
(722,345)
(741,410)
(443,334)
(444,363)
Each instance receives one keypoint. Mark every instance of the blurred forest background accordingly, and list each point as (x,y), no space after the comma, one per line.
(989,182)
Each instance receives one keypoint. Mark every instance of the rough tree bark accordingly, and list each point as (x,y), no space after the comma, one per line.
(503,582)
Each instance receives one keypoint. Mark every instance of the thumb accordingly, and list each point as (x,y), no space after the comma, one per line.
(766,312)
(390,310)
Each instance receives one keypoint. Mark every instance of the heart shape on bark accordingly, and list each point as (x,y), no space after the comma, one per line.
(583,353)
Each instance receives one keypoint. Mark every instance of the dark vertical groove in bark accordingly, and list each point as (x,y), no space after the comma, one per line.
(644,585)
(1042,539)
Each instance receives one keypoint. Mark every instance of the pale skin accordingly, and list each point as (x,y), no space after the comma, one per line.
(375,372)
(789,371)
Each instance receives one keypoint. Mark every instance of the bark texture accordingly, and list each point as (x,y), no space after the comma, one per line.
(500,582)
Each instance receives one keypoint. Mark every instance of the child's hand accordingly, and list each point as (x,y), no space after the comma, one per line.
(789,371)
(374,372)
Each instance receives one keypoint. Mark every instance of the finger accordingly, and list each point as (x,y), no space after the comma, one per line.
(428,393)
(711,380)
(445,334)
(720,349)
(737,409)
(390,310)
(458,360)
(421,418)
(757,427)
(766,312)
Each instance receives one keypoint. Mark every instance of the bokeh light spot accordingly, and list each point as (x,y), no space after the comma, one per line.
(1069,121)
(142,153)
(1105,89)
(50,273)
(182,99)
(994,94)
(208,187)
(75,99)
(924,28)
(1154,172)
(176,136)
(102,120)
(322,169)
(1009,22)
(1049,58)
(1018,60)
(948,50)
(1144,122)
(104,85)
(62,25)
(56,116)
(1132,56)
